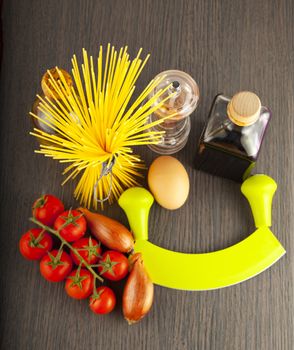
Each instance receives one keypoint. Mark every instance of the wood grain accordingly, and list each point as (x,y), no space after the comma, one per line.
(227,46)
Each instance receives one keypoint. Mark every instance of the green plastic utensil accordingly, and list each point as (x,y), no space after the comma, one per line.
(207,270)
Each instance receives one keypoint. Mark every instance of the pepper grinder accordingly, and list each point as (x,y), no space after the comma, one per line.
(184,93)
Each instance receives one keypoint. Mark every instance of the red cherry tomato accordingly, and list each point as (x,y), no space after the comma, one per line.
(79,284)
(47,208)
(35,243)
(55,267)
(113,265)
(88,248)
(103,301)
(73,223)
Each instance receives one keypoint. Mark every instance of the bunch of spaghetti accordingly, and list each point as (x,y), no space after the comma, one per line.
(94,128)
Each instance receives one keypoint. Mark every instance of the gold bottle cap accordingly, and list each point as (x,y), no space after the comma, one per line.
(47,87)
(244,108)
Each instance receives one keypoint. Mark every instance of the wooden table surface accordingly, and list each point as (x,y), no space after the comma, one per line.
(227,46)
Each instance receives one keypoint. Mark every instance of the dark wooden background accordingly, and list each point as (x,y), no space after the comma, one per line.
(226,46)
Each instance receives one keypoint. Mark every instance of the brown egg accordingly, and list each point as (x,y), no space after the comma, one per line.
(169,182)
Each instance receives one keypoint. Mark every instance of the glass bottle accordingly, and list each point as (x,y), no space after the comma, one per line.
(48,91)
(231,140)
(182,103)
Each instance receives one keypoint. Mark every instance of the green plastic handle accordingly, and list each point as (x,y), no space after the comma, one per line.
(136,202)
(207,270)
(259,190)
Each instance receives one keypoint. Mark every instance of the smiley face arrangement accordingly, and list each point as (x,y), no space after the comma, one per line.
(87,122)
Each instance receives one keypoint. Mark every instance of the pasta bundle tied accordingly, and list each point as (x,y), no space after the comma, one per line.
(94,128)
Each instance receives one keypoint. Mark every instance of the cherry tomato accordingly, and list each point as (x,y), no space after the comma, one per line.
(113,265)
(79,284)
(47,208)
(73,223)
(35,243)
(55,265)
(88,248)
(103,301)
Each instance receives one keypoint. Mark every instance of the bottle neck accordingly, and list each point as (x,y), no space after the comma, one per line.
(244,108)
(240,120)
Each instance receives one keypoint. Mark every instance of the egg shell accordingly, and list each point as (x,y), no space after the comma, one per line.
(169,182)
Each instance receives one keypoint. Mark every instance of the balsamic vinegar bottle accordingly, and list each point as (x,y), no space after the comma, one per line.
(231,140)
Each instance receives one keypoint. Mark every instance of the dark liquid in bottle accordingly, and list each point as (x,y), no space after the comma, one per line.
(222,162)
(228,150)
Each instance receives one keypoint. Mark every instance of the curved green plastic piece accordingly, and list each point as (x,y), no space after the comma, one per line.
(211,270)
(259,190)
(208,270)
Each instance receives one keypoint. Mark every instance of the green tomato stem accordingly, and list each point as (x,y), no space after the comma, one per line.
(64,242)
(39,238)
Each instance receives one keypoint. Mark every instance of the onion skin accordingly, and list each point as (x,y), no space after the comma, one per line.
(138,292)
(109,232)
